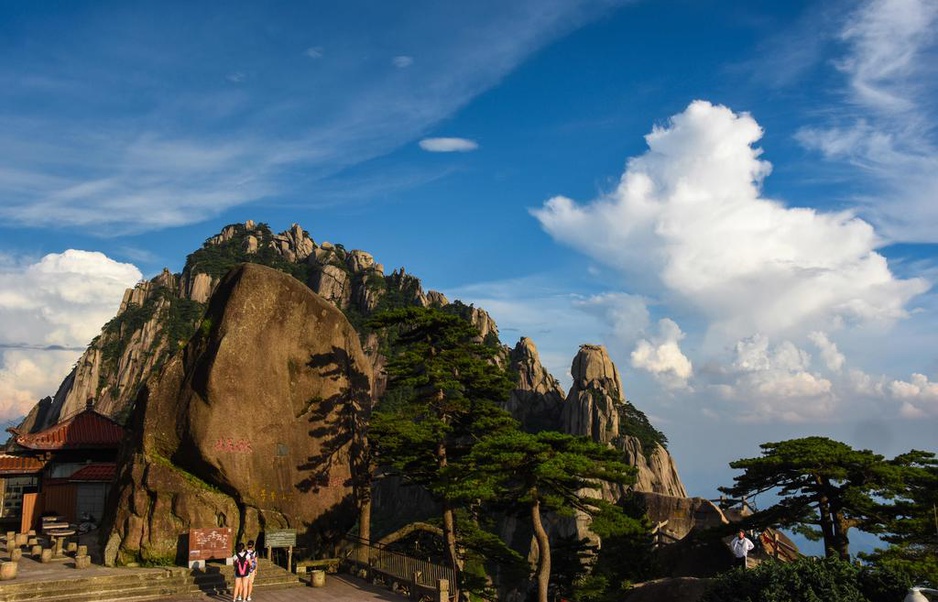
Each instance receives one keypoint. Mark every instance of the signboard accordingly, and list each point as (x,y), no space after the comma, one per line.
(280,538)
(209,543)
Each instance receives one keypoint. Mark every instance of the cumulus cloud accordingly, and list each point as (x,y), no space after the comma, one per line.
(775,382)
(662,356)
(49,310)
(919,396)
(448,145)
(690,212)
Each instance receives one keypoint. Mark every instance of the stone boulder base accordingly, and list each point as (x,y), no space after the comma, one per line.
(251,426)
(680,589)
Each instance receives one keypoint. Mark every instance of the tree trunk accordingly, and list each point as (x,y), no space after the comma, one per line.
(826,521)
(543,552)
(841,539)
(449,520)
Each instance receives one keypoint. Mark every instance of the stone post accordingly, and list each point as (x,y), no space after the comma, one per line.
(442,590)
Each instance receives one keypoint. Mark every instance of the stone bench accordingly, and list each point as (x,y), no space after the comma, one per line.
(330,565)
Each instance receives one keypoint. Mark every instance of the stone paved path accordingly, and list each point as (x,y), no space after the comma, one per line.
(338,588)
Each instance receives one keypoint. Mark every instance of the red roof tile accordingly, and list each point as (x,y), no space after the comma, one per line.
(95,472)
(10,465)
(86,430)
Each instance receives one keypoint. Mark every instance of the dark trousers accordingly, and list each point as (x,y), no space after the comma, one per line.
(740,562)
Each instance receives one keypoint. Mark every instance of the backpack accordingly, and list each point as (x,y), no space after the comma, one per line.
(242,565)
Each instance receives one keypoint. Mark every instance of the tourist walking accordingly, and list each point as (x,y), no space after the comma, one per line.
(242,567)
(741,547)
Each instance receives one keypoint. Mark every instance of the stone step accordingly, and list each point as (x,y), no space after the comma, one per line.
(219,579)
(130,586)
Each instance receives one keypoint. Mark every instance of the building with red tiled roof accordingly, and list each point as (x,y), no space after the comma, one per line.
(65,469)
(85,430)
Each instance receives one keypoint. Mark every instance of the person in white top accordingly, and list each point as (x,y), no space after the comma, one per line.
(741,547)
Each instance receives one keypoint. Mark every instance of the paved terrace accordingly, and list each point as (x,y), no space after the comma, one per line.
(338,587)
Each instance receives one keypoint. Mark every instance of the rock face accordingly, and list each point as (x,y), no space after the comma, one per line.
(591,408)
(537,401)
(251,426)
(596,407)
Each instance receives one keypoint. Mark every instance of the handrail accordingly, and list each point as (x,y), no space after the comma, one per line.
(399,568)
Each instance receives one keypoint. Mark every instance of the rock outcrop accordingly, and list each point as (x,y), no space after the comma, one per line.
(596,407)
(251,426)
(537,401)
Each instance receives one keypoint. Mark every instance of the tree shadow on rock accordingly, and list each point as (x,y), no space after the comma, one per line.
(338,421)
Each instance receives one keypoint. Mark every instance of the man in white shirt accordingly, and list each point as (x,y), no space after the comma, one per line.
(741,546)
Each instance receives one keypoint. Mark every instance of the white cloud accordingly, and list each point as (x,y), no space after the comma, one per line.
(627,315)
(61,301)
(662,356)
(885,127)
(236,77)
(402,61)
(66,154)
(919,396)
(448,145)
(691,210)
(887,39)
(775,382)
(832,357)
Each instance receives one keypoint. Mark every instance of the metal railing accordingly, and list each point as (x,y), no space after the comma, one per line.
(397,568)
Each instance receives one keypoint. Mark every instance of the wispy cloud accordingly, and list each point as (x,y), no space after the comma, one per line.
(402,61)
(154,140)
(886,124)
(448,145)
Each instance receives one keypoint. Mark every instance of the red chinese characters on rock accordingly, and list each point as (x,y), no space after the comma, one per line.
(233,446)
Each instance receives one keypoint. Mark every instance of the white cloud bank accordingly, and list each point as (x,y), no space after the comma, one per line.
(448,145)
(688,219)
(49,312)
(690,209)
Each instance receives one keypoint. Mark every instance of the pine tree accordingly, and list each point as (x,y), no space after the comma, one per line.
(825,484)
(444,390)
(532,474)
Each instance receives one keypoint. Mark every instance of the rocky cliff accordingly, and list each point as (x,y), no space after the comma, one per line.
(165,362)
(258,411)
(157,317)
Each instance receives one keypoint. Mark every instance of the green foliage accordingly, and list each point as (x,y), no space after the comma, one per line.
(443,394)
(527,474)
(625,557)
(823,483)
(807,580)
(634,422)
(912,531)
(216,260)
(401,292)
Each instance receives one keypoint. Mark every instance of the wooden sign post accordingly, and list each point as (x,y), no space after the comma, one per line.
(281,538)
(205,544)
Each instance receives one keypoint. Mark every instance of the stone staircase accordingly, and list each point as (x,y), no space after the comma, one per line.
(131,586)
(139,585)
(219,579)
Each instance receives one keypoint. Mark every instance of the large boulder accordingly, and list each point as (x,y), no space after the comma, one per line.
(252,425)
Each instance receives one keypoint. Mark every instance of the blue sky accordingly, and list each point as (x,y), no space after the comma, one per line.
(737,198)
